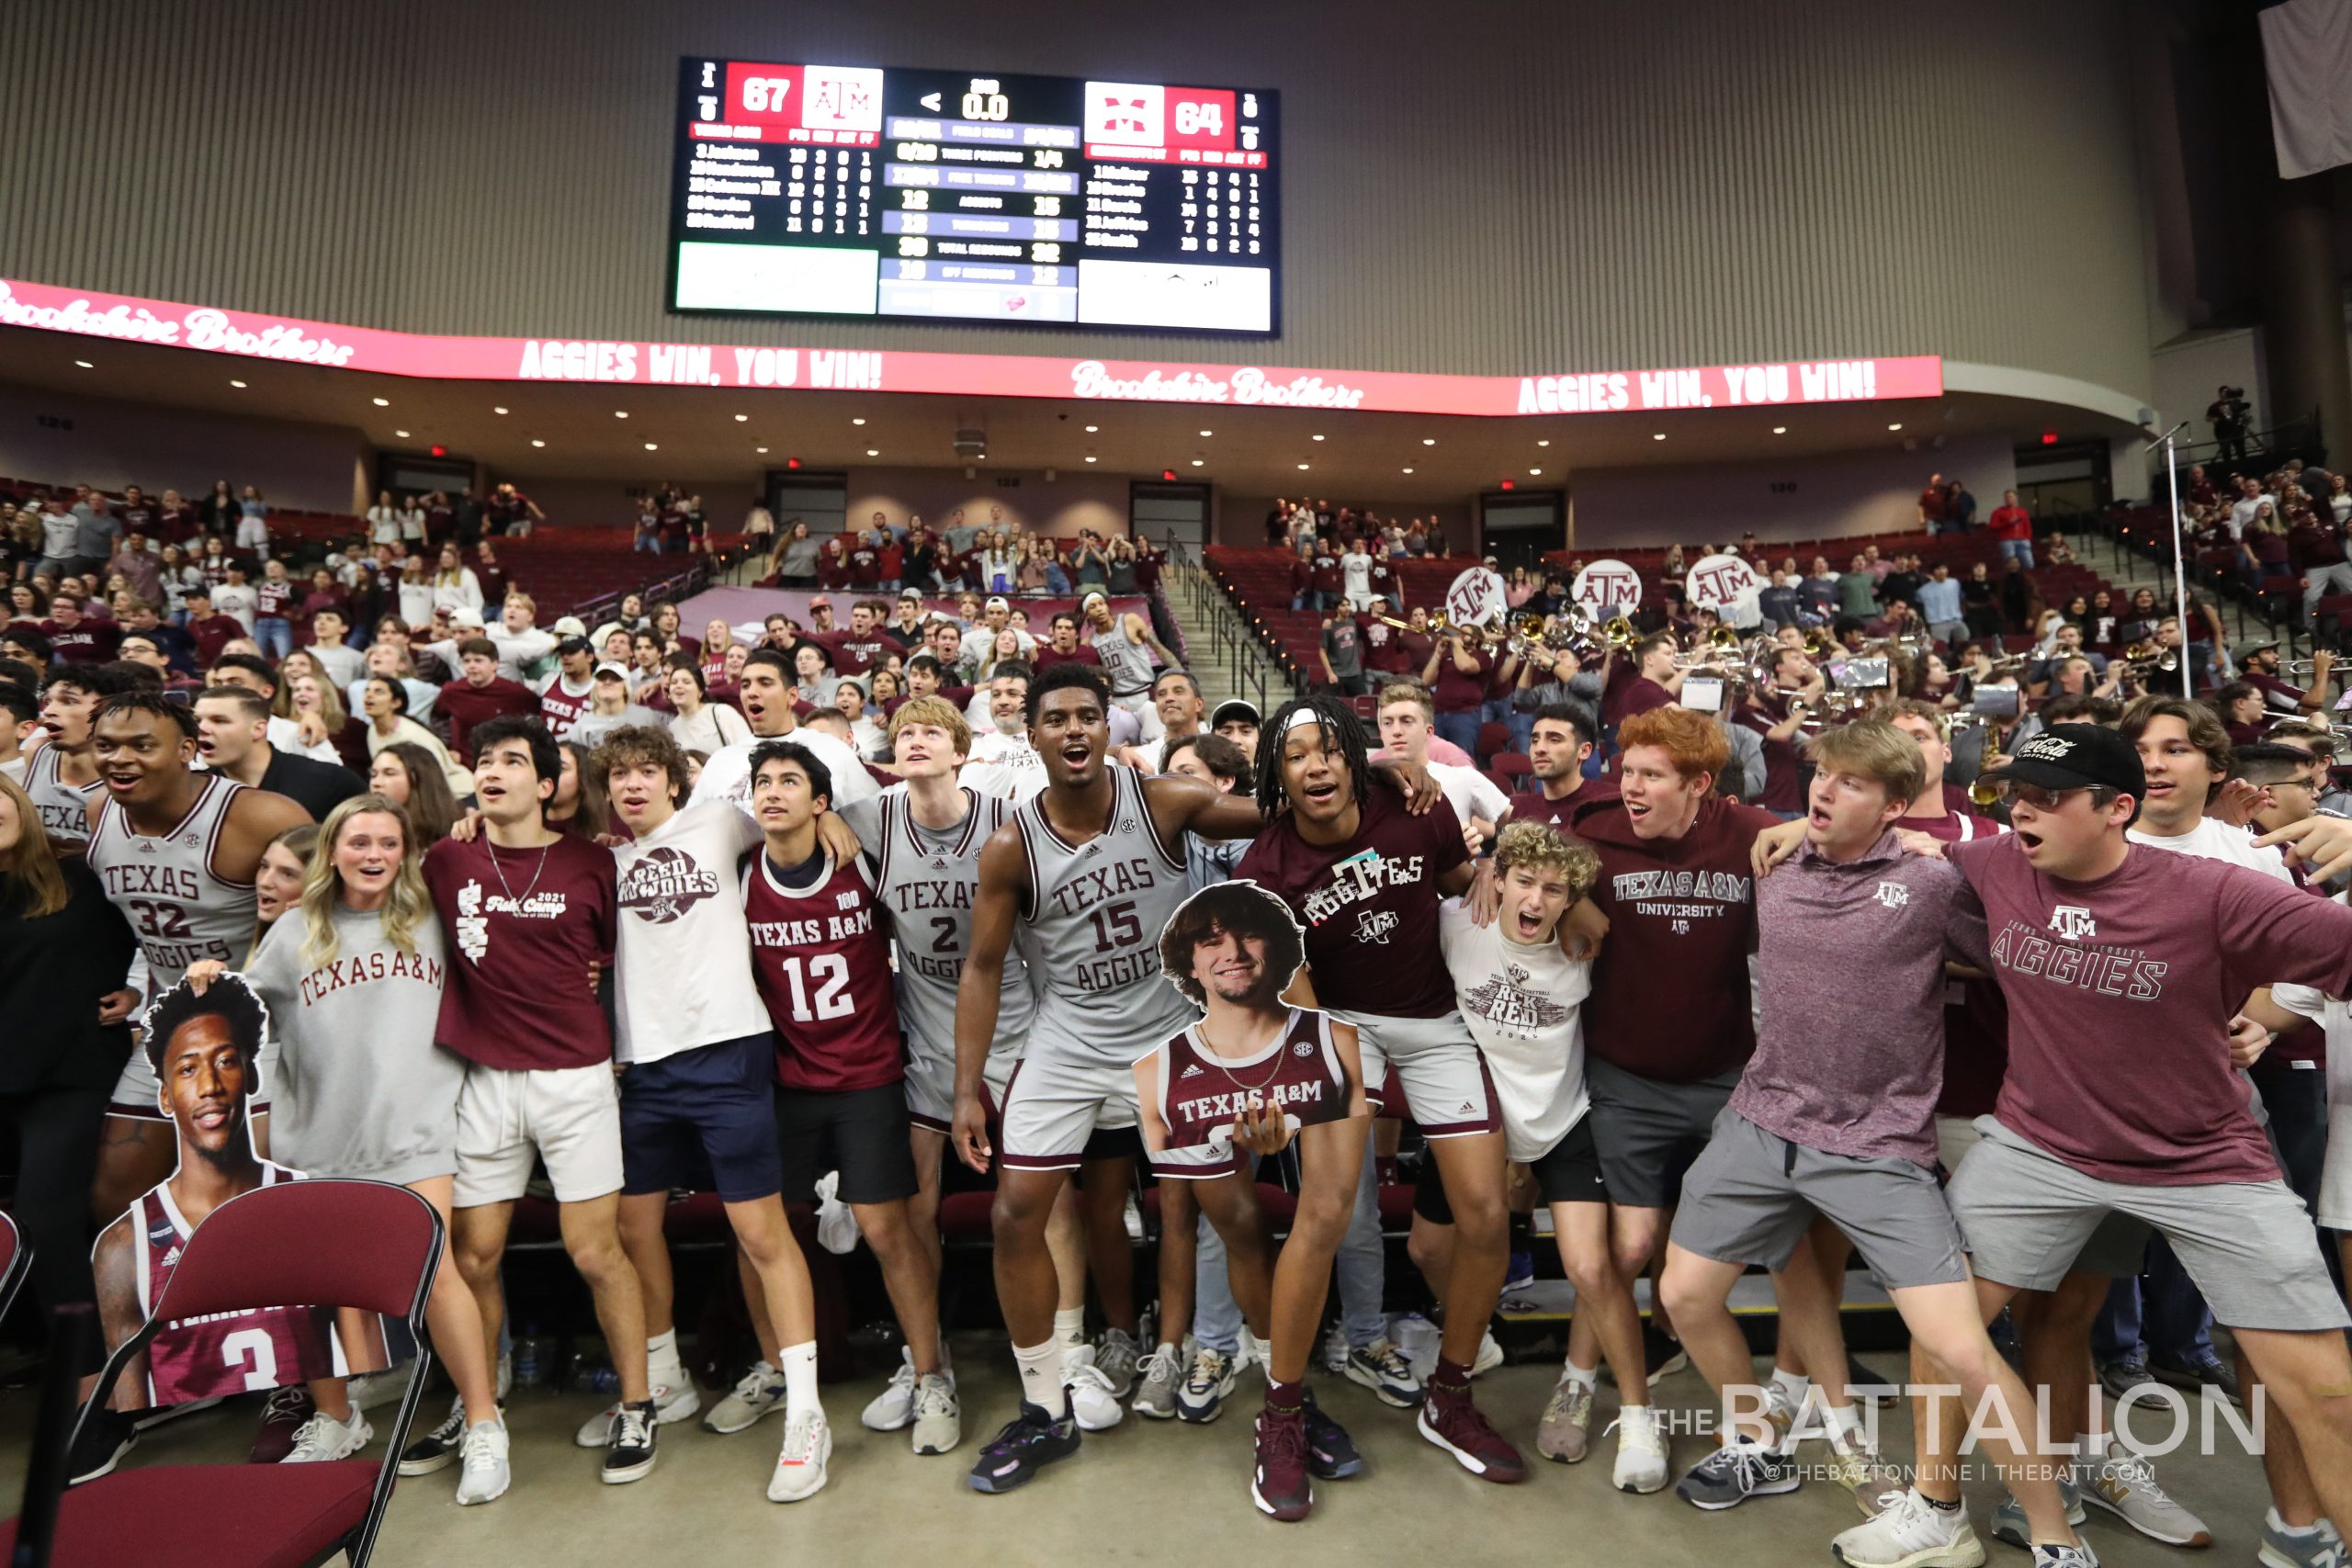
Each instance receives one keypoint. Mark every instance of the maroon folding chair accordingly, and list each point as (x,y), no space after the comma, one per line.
(16,1262)
(348,1243)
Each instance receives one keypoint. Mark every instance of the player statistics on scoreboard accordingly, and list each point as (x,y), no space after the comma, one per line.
(838,190)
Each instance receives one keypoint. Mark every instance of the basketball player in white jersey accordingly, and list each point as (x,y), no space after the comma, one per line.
(62,775)
(177,850)
(1089,871)
(1125,644)
(927,855)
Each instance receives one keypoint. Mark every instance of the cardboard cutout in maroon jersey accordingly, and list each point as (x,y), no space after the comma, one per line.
(207,1066)
(1189,1089)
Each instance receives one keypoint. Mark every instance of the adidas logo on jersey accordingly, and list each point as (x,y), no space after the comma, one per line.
(171,1258)
(939,865)
(1191,1070)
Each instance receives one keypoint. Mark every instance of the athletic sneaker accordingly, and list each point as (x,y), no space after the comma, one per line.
(1490,1354)
(1029,1442)
(800,1463)
(324,1439)
(760,1392)
(2317,1546)
(369,1390)
(2124,1483)
(1207,1381)
(1330,1452)
(2064,1557)
(1459,1427)
(1092,1398)
(1116,1356)
(672,1403)
(1853,1464)
(939,1418)
(1734,1474)
(1909,1532)
(1279,1484)
(102,1442)
(2210,1373)
(486,1474)
(1157,1377)
(437,1449)
(1664,1352)
(628,1448)
(2124,1374)
(282,1415)
(2008,1515)
(1561,1435)
(1382,1368)
(1641,1451)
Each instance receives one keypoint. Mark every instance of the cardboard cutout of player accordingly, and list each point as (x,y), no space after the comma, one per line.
(205,1050)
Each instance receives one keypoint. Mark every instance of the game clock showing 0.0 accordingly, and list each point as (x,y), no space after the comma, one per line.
(841,190)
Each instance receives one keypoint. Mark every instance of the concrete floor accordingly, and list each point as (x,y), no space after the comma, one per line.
(1143,1492)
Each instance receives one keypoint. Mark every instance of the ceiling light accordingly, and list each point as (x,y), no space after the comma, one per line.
(494,409)
(1429,440)
(1780,430)
(1896,426)
(401,434)
(1092,428)
(1659,436)
(859,421)
(1535,470)
(620,414)
(381,402)
(539,442)
(1208,432)
(741,418)
(1089,458)
(761,450)
(1197,463)
(873,452)
(650,446)
(1409,470)
(85,364)
(1315,438)
(1302,467)
(1546,442)
(239,385)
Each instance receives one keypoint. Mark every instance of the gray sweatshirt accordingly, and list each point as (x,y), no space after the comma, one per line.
(361,1089)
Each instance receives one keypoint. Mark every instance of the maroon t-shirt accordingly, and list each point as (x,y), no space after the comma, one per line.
(1976,1018)
(1369,906)
(466,704)
(1048,656)
(1781,765)
(2120,991)
(273,599)
(211,635)
(1670,992)
(822,963)
(91,641)
(1459,691)
(520,950)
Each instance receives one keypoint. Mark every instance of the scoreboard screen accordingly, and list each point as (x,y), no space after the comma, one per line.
(838,190)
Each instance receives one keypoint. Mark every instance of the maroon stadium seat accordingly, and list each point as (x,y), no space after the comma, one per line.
(1493,740)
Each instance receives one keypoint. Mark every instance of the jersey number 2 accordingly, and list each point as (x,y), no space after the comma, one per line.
(253,1349)
(830,973)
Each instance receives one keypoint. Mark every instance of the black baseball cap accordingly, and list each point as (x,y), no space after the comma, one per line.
(575,645)
(2073,756)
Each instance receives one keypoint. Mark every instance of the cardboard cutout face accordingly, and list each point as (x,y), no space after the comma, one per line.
(1234,951)
(207,1055)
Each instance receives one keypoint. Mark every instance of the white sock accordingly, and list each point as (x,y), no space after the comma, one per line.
(800,1380)
(1585,1377)
(661,1356)
(2272,1522)
(1793,1386)
(1845,1424)
(2090,1447)
(1041,1376)
(1069,1326)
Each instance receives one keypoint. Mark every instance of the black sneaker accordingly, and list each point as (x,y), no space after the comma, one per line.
(105,1438)
(1867,1385)
(437,1449)
(1734,1474)
(628,1452)
(1030,1442)
(1330,1452)
(1664,1352)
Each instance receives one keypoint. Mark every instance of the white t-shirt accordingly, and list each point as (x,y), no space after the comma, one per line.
(1355,569)
(1004,765)
(681,971)
(2335,1018)
(1470,793)
(2213,840)
(1523,1005)
(727,776)
(236,600)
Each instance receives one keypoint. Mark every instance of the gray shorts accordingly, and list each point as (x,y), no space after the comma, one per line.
(1751,1195)
(1649,1132)
(2117,1251)
(2249,1245)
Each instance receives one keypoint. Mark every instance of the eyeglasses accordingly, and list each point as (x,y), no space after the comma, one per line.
(2015,793)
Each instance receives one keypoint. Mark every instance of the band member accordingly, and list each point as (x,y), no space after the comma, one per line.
(1251,1074)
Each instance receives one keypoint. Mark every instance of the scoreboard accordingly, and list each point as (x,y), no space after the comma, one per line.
(841,190)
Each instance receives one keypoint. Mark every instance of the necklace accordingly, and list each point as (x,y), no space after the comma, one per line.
(1238,1080)
(513,903)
